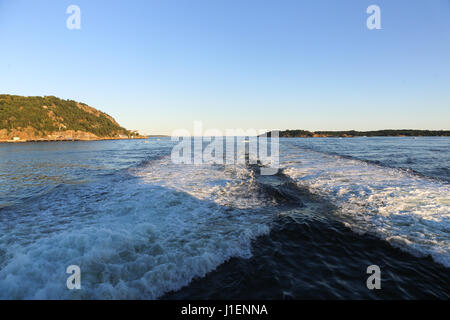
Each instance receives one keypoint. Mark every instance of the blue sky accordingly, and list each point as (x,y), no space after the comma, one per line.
(159,65)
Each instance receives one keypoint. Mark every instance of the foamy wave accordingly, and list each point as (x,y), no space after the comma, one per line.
(230,185)
(134,237)
(409,211)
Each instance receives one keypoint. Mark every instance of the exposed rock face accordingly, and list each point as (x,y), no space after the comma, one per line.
(72,135)
(30,134)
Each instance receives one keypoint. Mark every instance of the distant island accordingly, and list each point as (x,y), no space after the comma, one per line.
(53,119)
(353,133)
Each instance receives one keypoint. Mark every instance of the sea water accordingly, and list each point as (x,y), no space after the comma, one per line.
(142,227)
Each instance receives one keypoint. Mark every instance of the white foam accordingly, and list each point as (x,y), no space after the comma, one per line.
(409,211)
(133,237)
(233,185)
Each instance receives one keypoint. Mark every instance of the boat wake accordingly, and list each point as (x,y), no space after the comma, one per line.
(154,228)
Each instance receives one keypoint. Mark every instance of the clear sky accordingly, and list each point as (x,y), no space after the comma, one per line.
(159,65)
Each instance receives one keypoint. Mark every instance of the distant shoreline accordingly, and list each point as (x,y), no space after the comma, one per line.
(148,137)
(355,134)
(351,137)
(70,140)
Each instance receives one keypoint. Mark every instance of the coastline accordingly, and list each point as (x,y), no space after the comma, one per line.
(399,136)
(362,134)
(71,140)
(163,136)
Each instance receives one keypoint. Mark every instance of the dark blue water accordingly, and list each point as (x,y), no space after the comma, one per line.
(142,227)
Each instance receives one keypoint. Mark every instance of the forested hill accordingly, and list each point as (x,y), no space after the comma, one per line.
(51,118)
(353,133)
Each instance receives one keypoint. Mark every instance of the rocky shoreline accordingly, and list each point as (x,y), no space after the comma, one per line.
(72,139)
(32,135)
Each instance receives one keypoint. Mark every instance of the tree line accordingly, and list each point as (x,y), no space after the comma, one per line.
(354,133)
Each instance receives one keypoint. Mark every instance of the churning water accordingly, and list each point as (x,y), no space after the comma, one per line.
(142,227)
